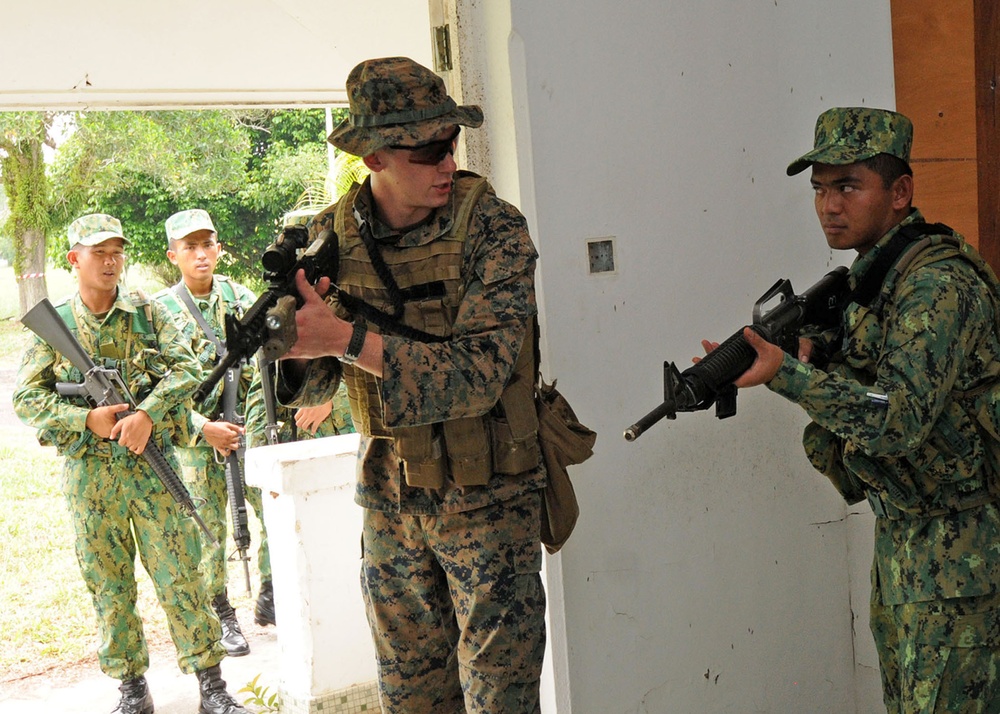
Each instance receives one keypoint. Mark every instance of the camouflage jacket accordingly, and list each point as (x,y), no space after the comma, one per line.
(886,422)
(339,421)
(158,367)
(227,297)
(429,382)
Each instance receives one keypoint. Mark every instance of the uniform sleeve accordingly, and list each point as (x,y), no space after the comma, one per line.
(941,314)
(36,402)
(431,382)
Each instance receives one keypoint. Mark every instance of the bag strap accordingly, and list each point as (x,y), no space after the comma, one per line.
(869,285)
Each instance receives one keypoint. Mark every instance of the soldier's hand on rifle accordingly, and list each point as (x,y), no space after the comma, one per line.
(133,431)
(310,418)
(101,420)
(319,330)
(769,358)
(223,436)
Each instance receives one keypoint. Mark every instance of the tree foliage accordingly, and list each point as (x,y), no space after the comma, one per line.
(22,166)
(246,168)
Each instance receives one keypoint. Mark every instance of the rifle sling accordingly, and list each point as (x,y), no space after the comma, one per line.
(870,284)
(220,346)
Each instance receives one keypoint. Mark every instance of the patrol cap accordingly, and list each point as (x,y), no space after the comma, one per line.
(94,228)
(846,135)
(298,218)
(394,100)
(184,223)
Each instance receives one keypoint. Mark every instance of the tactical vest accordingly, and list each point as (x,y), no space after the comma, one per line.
(470,449)
(957,470)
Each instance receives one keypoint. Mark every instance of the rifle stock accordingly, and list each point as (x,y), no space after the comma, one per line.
(710,381)
(105,387)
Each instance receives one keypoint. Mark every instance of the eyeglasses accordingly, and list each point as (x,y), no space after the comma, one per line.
(433,152)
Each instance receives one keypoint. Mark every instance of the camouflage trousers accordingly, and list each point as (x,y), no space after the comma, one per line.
(208,483)
(456,608)
(941,656)
(118,508)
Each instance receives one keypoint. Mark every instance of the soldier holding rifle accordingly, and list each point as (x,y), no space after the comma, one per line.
(118,506)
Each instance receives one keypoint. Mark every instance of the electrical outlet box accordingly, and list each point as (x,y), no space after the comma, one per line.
(601,255)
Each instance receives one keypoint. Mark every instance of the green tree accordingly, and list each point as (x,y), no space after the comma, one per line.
(22,167)
(246,168)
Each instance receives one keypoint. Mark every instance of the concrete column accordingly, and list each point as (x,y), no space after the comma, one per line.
(314,532)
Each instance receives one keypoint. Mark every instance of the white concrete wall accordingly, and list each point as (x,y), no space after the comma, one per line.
(713,570)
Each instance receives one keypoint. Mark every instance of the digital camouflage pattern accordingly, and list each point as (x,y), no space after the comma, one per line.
(204,475)
(949,652)
(93,229)
(890,422)
(109,490)
(846,135)
(394,100)
(184,223)
(408,528)
(498,620)
(425,382)
(339,421)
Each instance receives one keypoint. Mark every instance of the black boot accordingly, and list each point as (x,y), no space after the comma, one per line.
(232,636)
(136,698)
(263,612)
(214,697)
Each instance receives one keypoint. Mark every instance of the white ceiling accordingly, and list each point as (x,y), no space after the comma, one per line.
(76,54)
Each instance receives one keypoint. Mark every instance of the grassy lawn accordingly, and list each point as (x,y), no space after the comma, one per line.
(47,618)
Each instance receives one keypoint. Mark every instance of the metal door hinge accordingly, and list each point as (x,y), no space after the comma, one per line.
(442,49)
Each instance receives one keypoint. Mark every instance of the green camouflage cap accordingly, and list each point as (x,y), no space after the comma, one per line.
(394,100)
(184,223)
(846,135)
(94,228)
(298,218)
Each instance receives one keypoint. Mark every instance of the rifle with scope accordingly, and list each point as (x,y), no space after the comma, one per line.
(710,381)
(269,324)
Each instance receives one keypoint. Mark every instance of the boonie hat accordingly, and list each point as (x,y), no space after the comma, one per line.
(846,135)
(394,100)
(94,228)
(184,223)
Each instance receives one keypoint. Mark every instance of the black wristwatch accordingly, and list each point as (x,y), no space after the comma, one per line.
(357,342)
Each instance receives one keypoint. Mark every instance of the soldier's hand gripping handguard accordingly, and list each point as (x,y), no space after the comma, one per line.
(269,325)
(710,381)
(104,387)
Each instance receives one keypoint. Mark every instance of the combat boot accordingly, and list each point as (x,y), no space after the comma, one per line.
(263,611)
(214,697)
(233,641)
(136,698)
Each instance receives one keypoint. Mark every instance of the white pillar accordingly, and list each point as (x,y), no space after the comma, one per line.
(314,534)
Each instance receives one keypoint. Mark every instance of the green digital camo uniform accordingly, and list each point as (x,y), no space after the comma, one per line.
(919,458)
(206,476)
(339,421)
(110,491)
(450,575)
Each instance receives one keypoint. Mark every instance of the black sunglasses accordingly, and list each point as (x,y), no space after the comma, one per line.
(433,152)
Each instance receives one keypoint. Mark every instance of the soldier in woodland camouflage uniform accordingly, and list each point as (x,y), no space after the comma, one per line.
(328,419)
(194,248)
(110,490)
(904,414)
(450,472)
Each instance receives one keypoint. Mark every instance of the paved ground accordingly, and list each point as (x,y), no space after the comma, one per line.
(83,689)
